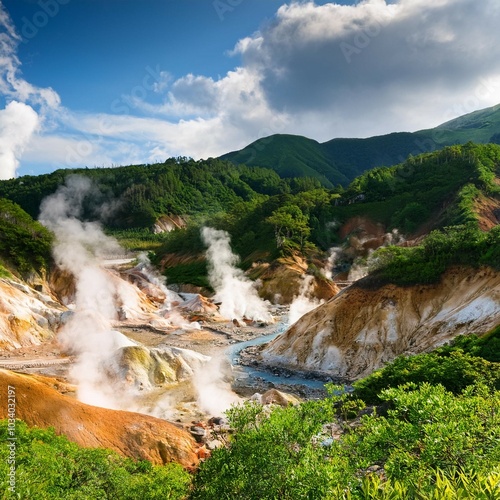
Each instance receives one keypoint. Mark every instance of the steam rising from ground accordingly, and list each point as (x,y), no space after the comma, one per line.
(101,297)
(236,293)
(334,254)
(214,390)
(361,267)
(78,248)
(304,302)
(167,311)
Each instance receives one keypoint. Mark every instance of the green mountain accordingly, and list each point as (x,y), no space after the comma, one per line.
(339,161)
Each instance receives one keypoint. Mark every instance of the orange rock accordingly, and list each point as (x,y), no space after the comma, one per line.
(202,452)
(130,434)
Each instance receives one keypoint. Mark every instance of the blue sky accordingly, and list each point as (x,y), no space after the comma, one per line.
(108,82)
(92,51)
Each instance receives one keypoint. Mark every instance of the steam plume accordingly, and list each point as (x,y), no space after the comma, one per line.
(304,302)
(77,249)
(238,297)
(214,391)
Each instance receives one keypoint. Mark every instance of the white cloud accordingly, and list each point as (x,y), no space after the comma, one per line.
(18,122)
(375,67)
(321,71)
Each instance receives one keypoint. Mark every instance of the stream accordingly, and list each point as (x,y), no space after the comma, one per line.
(254,374)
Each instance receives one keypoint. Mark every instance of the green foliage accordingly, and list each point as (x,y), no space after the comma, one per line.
(466,361)
(138,239)
(406,195)
(429,429)
(457,245)
(51,467)
(270,457)
(289,223)
(290,156)
(260,209)
(454,371)
(178,186)
(444,486)
(339,161)
(25,245)
(4,273)
(194,273)
(430,439)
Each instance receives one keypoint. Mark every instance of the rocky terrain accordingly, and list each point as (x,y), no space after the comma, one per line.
(170,362)
(362,328)
(39,402)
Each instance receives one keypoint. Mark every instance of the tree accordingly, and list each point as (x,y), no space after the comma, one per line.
(289,223)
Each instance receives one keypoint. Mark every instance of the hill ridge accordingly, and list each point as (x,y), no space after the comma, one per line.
(340,160)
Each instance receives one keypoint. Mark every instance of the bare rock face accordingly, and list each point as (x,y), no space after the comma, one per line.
(130,434)
(281,281)
(27,317)
(167,223)
(147,368)
(360,329)
(275,397)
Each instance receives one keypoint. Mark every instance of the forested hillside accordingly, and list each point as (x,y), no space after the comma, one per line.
(340,160)
(427,192)
(24,243)
(135,196)
(268,216)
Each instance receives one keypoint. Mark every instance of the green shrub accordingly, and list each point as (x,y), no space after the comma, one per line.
(452,368)
(430,437)
(24,243)
(51,467)
(457,245)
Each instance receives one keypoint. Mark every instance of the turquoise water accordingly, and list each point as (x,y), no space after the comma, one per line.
(277,379)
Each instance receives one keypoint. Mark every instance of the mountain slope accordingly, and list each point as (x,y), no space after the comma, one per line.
(290,156)
(360,329)
(341,160)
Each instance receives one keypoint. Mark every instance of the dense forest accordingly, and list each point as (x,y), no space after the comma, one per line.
(268,216)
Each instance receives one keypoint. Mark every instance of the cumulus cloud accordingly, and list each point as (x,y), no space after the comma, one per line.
(375,67)
(335,70)
(323,71)
(18,120)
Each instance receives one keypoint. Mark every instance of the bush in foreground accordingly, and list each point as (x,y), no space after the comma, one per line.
(313,451)
(49,467)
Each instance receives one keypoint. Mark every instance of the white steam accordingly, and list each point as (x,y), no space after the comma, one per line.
(362,267)
(78,248)
(334,254)
(304,302)
(213,387)
(170,313)
(236,293)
